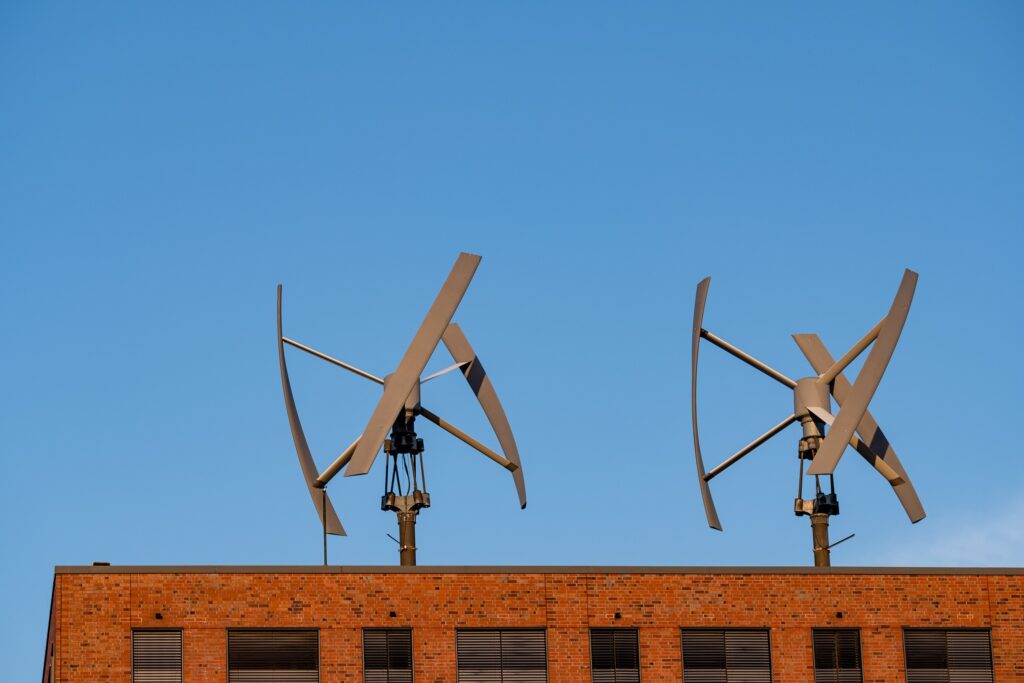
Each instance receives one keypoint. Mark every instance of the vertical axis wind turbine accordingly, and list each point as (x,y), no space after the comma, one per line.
(852,426)
(392,423)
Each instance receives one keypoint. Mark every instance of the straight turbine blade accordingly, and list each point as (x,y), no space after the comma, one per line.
(698,319)
(401,383)
(870,433)
(480,382)
(333,524)
(883,468)
(856,405)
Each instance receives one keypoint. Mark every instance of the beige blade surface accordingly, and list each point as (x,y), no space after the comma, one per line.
(401,383)
(480,382)
(891,475)
(698,319)
(870,433)
(333,524)
(862,391)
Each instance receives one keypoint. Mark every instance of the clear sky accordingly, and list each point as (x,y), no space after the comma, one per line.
(163,168)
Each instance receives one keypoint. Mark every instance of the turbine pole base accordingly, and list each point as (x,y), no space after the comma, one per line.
(819,532)
(407,537)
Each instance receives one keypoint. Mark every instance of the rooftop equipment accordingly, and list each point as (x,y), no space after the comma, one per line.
(392,424)
(825,435)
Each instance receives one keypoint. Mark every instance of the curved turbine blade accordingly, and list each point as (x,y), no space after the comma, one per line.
(698,319)
(333,524)
(838,438)
(870,433)
(480,382)
(401,383)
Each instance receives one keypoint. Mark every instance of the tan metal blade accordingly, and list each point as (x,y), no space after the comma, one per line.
(406,376)
(480,382)
(309,473)
(870,433)
(873,459)
(891,475)
(838,438)
(698,319)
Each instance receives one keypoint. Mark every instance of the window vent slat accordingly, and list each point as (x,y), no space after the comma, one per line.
(156,656)
(278,655)
(726,656)
(837,656)
(615,655)
(387,656)
(950,656)
(501,656)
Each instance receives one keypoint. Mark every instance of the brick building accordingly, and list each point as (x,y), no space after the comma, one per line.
(524,624)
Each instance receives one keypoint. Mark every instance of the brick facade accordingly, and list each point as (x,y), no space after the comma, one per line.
(95,609)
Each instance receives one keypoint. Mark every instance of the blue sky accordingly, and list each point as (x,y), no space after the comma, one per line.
(165,167)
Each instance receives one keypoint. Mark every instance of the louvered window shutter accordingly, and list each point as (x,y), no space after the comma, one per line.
(970,656)
(837,656)
(726,656)
(953,656)
(273,656)
(501,656)
(387,655)
(156,656)
(614,655)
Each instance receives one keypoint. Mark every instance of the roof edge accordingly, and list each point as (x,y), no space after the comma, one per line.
(444,569)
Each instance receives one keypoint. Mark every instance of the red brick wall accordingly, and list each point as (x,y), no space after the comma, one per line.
(95,612)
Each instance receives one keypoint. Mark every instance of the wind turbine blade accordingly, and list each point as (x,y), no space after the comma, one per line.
(401,383)
(333,524)
(698,319)
(480,382)
(838,438)
(870,433)
(873,459)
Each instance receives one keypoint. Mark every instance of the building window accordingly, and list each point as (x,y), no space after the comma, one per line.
(387,655)
(937,656)
(262,655)
(501,656)
(614,655)
(837,656)
(156,656)
(726,656)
